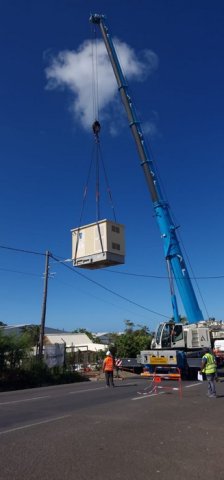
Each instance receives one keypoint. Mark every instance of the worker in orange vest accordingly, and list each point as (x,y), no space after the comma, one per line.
(108,369)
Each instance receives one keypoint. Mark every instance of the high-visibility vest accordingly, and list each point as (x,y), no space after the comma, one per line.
(108,364)
(210,366)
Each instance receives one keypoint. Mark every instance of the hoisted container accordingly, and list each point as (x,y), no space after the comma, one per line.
(98,245)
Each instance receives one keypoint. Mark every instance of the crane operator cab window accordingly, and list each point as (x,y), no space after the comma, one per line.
(172,335)
(166,336)
(177,336)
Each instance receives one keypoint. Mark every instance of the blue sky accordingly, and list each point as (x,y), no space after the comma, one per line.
(46,148)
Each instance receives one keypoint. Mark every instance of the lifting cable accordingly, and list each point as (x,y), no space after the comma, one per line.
(100,161)
(83,204)
(96,130)
(97,156)
(95,83)
(97,127)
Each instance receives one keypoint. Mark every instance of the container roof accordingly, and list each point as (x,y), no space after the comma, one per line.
(95,223)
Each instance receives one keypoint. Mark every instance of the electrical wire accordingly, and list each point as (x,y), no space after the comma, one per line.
(143,315)
(160,277)
(163,277)
(100,285)
(62,260)
(109,290)
(23,273)
(22,250)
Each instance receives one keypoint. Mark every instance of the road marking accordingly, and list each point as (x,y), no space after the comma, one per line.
(98,388)
(24,400)
(194,385)
(89,390)
(34,424)
(148,396)
(145,395)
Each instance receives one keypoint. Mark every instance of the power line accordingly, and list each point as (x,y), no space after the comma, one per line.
(206,277)
(84,276)
(102,299)
(131,274)
(162,276)
(23,273)
(21,250)
(109,290)
(58,260)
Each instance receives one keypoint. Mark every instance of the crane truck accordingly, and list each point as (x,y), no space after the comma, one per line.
(174,343)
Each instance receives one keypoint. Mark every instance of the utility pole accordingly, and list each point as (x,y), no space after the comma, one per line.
(44,305)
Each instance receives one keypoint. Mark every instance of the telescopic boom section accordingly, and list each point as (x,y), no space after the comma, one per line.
(166,225)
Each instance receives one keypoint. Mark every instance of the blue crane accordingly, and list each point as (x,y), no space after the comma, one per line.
(176,266)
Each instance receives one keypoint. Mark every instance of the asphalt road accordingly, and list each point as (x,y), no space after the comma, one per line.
(86,431)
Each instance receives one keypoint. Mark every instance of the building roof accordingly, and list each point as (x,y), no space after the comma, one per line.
(18,328)
(78,341)
(100,334)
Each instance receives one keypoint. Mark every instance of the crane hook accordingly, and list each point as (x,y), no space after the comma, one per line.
(96,129)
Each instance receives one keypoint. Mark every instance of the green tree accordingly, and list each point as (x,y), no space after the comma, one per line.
(32,333)
(133,340)
(13,350)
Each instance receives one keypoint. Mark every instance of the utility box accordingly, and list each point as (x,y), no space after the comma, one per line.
(98,245)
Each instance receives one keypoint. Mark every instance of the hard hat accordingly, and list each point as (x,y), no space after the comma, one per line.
(108,353)
(206,350)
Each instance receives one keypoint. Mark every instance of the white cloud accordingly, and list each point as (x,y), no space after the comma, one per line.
(73,71)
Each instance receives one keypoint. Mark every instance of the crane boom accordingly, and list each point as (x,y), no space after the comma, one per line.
(172,250)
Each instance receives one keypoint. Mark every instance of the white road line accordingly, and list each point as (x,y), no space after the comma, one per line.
(24,400)
(97,388)
(160,393)
(148,396)
(34,424)
(194,385)
(87,391)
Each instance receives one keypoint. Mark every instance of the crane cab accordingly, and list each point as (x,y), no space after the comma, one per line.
(169,335)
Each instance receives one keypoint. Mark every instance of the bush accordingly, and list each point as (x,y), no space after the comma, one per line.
(37,375)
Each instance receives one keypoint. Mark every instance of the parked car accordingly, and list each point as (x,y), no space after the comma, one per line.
(78,367)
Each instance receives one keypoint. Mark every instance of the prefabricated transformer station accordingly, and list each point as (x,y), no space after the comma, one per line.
(98,245)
